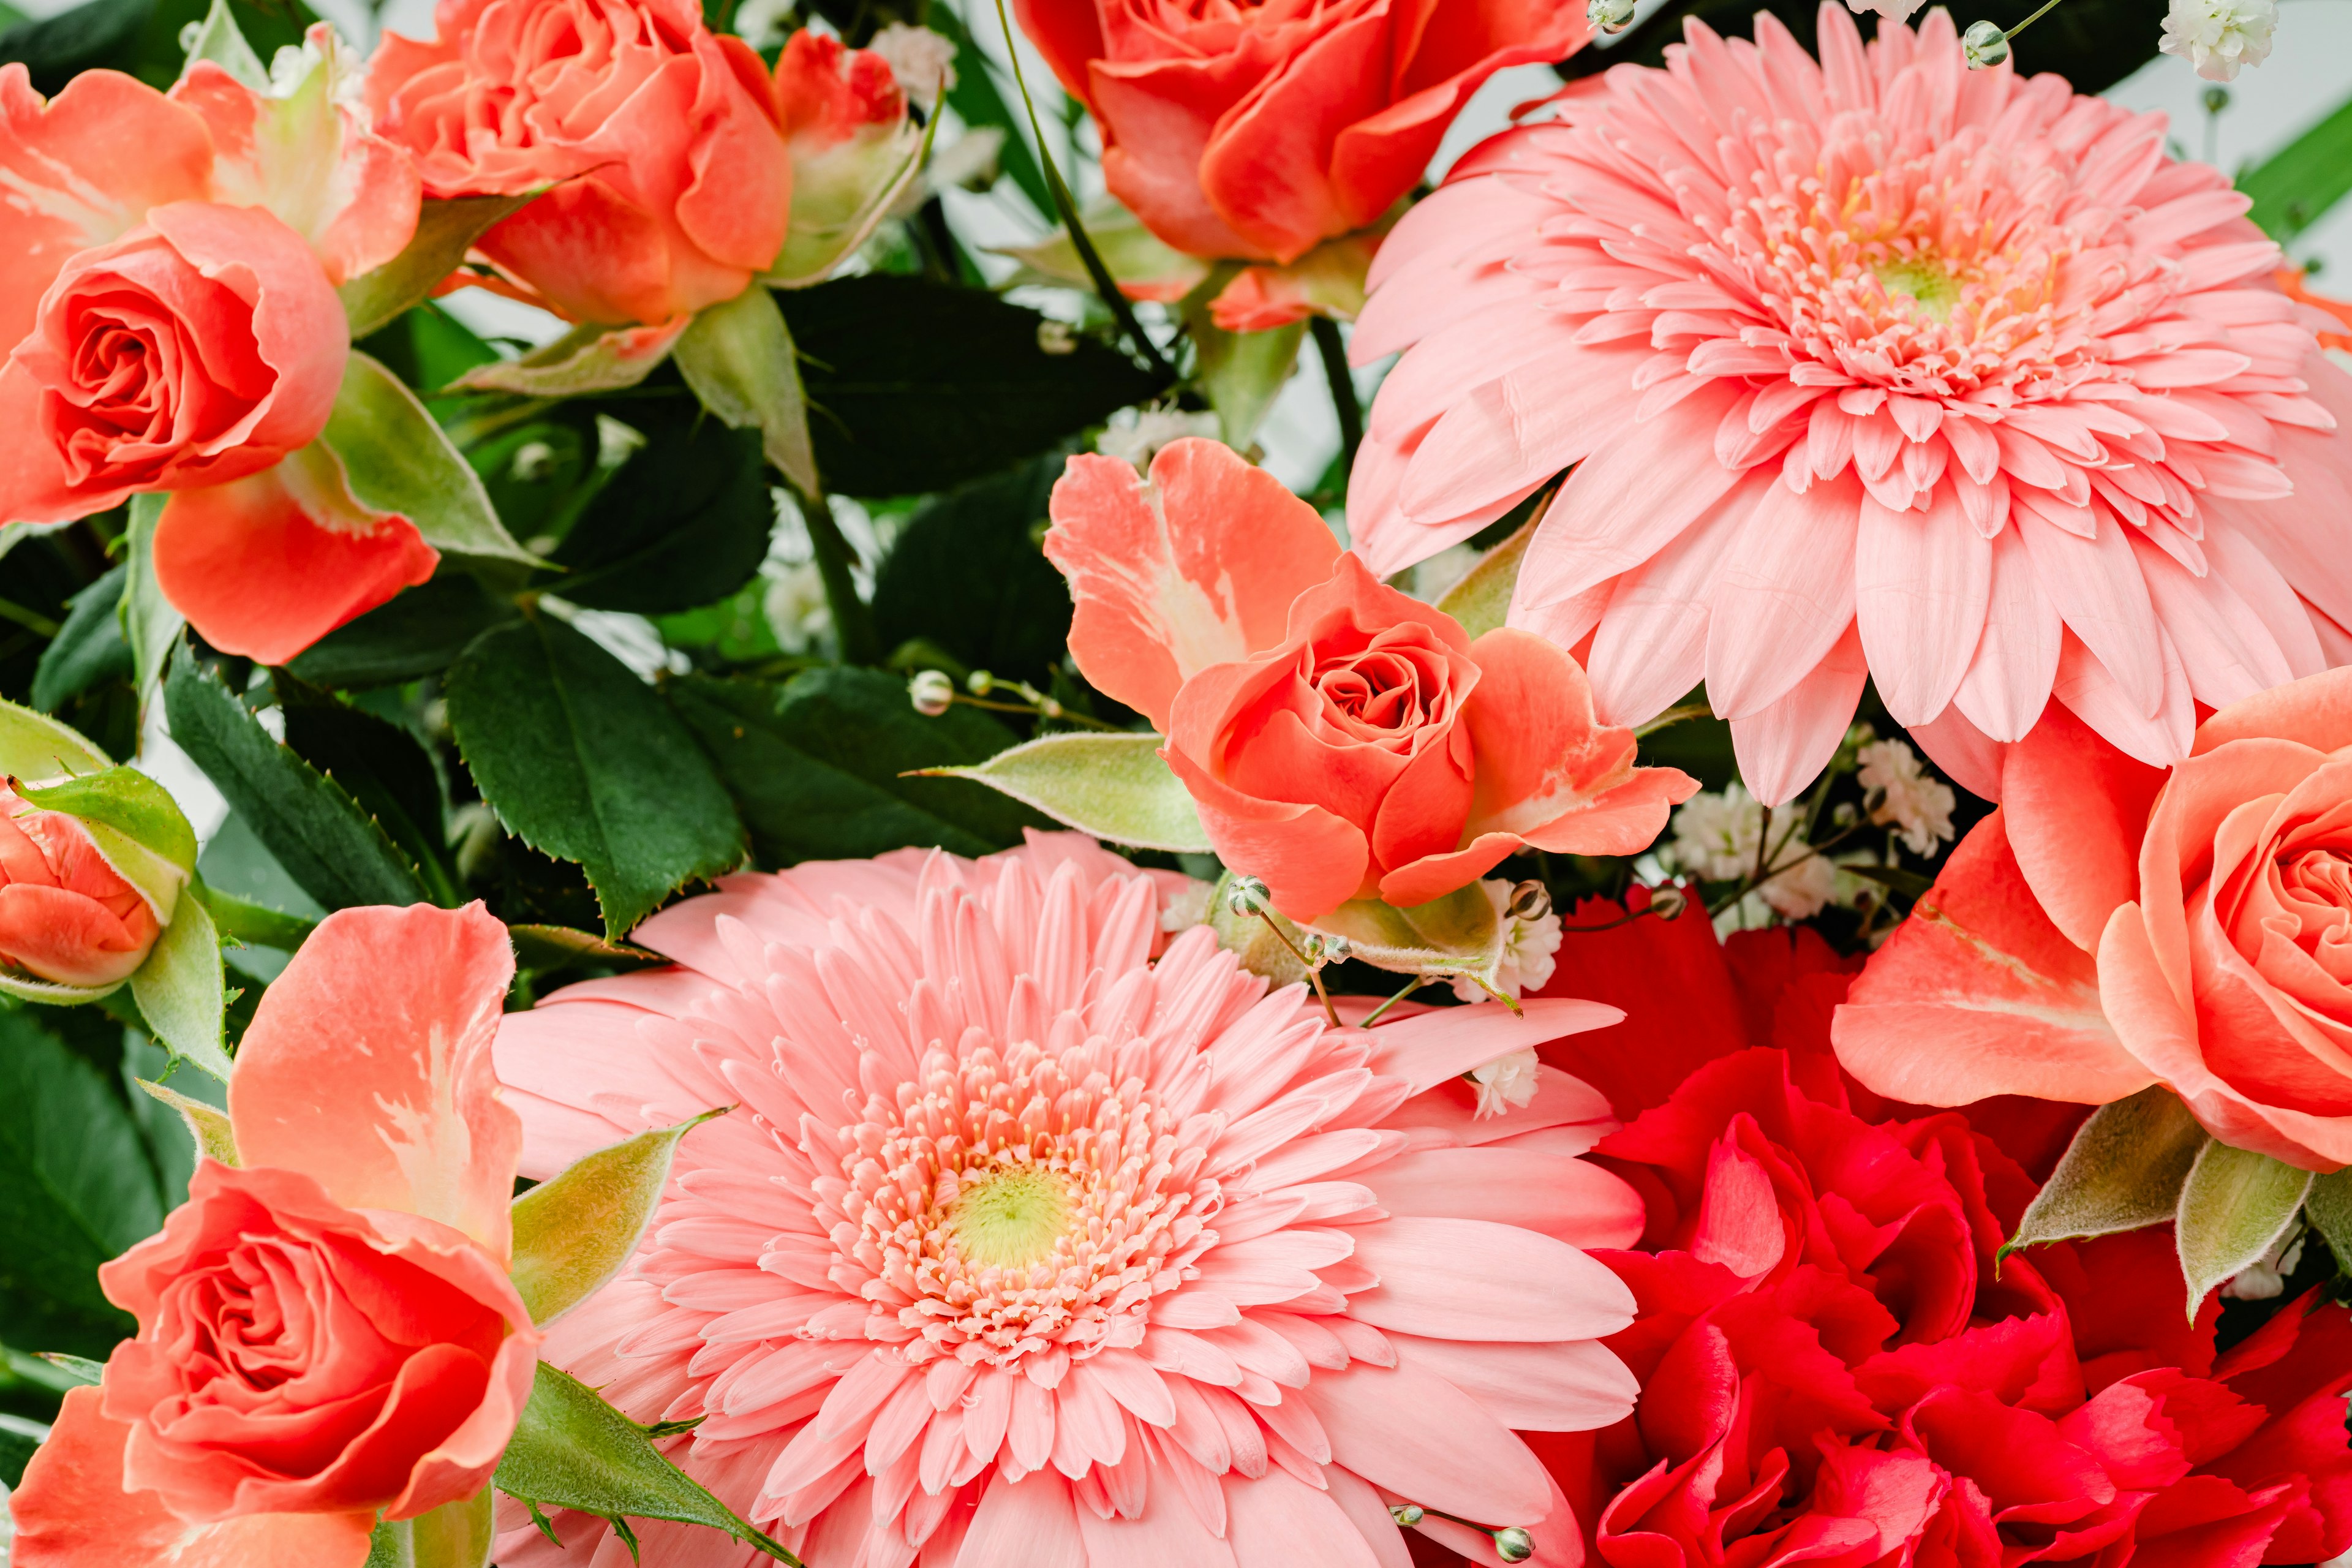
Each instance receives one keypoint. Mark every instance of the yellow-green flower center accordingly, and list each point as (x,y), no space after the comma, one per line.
(1932,288)
(1011,1218)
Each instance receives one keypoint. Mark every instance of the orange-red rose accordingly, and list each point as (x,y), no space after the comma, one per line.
(1256,131)
(66,915)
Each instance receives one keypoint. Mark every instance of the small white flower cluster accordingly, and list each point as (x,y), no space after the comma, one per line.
(1188,908)
(1916,804)
(794,606)
(1716,840)
(922,61)
(1505,1083)
(1137,434)
(2218,36)
(1528,942)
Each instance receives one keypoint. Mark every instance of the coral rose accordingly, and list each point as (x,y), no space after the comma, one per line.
(1255,132)
(1341,740)
(66,915)
(674,177)
(326,1331)
(2114,926)
(1832,1371)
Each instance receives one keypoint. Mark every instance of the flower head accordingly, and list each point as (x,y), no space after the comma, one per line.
(1027,1246)
(66,915)
(2217,36)
(1874,367)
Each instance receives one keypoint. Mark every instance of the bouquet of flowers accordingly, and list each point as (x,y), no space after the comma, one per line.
(740,823)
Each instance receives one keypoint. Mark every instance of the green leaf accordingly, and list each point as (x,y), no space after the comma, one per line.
(967,575)
(739,359)
(1458,934)
(584,763)
(1112,786)
(383,768)
(2328,1206)
(454,1535)
(72,1371)
(150,625)
(208,1126)
(815,766)
(242,919)
(338,854)
(574,1232)
(425,346)
(1241,373)
(590,358)
(444,231)
(141,37)
(572,1450)
(417,632)
(547,948)
(2124,1170)
(397,460)
(1482,600)
(76,1189)
(219,39)
(19,1438)
(89,649)
(2296,186)
(916,385)
(684,521)
(181,992)
(2233,1207)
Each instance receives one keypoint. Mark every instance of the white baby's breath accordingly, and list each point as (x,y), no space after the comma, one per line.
(2218,36)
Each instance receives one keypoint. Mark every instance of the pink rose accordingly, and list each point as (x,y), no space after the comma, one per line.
(674,177)
(326,1331)
(1341,740)
(66,915)
(2114,926)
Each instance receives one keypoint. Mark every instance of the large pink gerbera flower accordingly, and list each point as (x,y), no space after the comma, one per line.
(1025,1251)
(1874,366)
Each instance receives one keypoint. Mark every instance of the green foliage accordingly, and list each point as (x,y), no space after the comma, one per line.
(2296,186)
(968,577)
(141,37)
(815,765)
(339,853)
(444,230)
(383,768)
(574,1232)
(917,386)
(76,1187)
(583,762)
(2233,1207)
(2123,1171)
(89,648)
(1112,786)
(417,632)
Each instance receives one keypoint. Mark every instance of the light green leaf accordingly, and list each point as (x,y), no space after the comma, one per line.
(572,1450)
(216,39)
(2124,1170)
(587,359)
(2234,1206)
(76,1371)
(739,359)
(397,460)
(574,1232)
(1482,600)
(35,746)
(209,1125)
(444,231)
(1459,934)
(454,1535)
(1112,786)
(150,625)
(1240,373)
(2329,1206)
(2296,186)
(179,989)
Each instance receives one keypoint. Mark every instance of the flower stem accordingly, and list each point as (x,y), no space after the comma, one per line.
(1314,970)
(1415,983)
(2046,6)
(852,622)
(1343,387)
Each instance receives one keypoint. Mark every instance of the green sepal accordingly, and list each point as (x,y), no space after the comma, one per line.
(572,1450)
(1459,936)
(1111,786)
(1241,373)
(2123,1171)
(396,460)
(2235,1207)
(217,38)
(182,992)
(587,359)
(574,1232)
(216,1138)
(445,230)
(1481,601)
(739,359)
(135,824)
(2328,1206)
(36,746)
(454,1535)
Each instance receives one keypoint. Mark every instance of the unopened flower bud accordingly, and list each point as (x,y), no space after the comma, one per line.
(1983,45)
(1610,15)
(1406,1514)
(1668,902)
(931,691)
(980,683)
(1512,1544)
(1530,901)
(1246,896)
(1322,949)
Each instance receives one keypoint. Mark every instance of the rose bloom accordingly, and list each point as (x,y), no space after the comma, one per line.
(167,296)
(1028,1248)
(1342,739)
(2114,926)
(1869,368)
(66,916)
(1832,1369)
(325,1331)
(1255,132)
(660,138)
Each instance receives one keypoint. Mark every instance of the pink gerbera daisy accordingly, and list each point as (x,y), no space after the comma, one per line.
(1025,1250)
(1870,367)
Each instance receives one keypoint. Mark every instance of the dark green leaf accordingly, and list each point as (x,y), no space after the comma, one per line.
(19,1438)
(426,347)
(2297,184)
(572,1450)
(684,521)
(340,855)
(917,385)
(2123,1171)
(418,633)
(76,1189)
(966,576)
(546,948)
(89,648)
(583,762)
(139,36)
(383,768)
(815,764)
